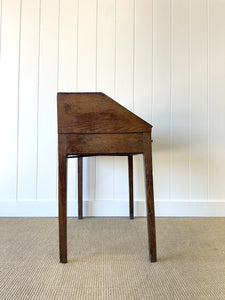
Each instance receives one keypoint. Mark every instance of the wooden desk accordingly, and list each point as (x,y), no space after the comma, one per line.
(91,124)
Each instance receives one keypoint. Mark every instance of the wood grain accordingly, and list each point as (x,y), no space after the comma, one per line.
(100,144)
(149,196)
(131,188)
(62,201)
(95,113)
(80,188)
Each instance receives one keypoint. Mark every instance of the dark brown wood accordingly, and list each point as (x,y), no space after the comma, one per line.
(95,113)
(99,144)
(131,196)
(80,188)
(93,124)
(149,195)
(62,185)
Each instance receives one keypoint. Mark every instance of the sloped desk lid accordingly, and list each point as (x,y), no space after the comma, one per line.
(95,113)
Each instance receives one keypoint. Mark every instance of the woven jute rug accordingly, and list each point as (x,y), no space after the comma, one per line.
(108,259)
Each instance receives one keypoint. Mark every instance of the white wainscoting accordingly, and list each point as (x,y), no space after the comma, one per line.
(162,59)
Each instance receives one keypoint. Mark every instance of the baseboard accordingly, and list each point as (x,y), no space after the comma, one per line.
(113,208)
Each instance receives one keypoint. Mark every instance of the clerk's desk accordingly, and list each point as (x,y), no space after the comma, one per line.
(91,124)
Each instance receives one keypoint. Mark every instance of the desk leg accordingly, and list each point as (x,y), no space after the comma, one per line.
(62,201)
(131,194)
(150,196)
(80,188)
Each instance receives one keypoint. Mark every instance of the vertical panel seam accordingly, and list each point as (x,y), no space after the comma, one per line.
(207,66)
(38,95)
(0,29)
(58,37)
(189,105)
(96,49)
(57,87)
(134,53)
(115,93)
(96,81)
(153,28)
(134,50)
(115,53)
(78,8)
(18,104)
(171,83)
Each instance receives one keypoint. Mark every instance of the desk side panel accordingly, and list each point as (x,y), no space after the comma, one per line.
(95,113)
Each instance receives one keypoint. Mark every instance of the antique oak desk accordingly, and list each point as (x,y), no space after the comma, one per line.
(91,124)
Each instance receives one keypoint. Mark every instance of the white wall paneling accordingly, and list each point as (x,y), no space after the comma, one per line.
(216,100)
(105,79)
(9,94)
(198,106)
(180,99)
(162,59)
(67,72)
(47,87)
(86,76)
(68,35)
(143,78)
(0,24)
(28,99)
(162,97)
(124,82)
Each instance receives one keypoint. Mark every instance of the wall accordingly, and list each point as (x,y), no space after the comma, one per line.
(163,60)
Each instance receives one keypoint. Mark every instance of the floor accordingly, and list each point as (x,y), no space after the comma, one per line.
(108,259)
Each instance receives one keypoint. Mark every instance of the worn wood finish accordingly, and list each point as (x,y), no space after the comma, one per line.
(131,189)
(95,113)
(93,124)
(100,144)
(80,188)
(62,200)
(149,195)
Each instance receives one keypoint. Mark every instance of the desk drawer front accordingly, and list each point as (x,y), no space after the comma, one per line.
(101,144)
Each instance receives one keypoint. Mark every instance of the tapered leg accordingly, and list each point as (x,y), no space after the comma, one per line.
(80,188)
(150,196)
(62,201)
(131,195)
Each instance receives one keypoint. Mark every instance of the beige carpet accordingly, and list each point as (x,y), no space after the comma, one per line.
(108,259)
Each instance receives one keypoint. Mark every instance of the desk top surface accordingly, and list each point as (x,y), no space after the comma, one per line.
(96,113)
